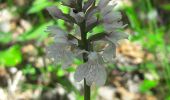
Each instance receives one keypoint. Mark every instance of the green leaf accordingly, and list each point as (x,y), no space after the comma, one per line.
(146,85)
(50,68)
(11,57)
(133,18)
(167,98)
(78,61)
(79,97)
(59,72)
(70,69)
(37,33)
(65,82)
(64,9)
(5,38)
(98,29)
(29,70)
(166,6)
(39,5)
(61,24)
(128,68)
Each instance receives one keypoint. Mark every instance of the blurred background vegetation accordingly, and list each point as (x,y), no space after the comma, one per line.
(141,70)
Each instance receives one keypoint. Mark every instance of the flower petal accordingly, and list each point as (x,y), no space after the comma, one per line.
(109,52)
(70,3)
(91,13)
(56,31)
(58,14)
(92,71)
(107,9)
(79,17)
(114,26)
(99,45)
(77,31)
(103,3)
(88,4)
(112,17)
(59,35)
(60,55)
(116,36)
(100,75)
(81,72)
(55,12)
(96,74)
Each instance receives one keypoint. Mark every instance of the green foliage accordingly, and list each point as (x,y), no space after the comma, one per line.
(11,57)
(154,41)
(60,72)
(29,70)
(7,39)
(37,33)
(80,97)
(147,85)
(167,98)
(64,9)
(128,68)
(133,18)
(61,24)
(39,5)
(98,29)
(146,30)
(10,2)
(166,6)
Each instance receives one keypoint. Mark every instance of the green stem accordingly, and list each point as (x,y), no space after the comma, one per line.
(86,91)
(85,45)
(41,16)
(79,2)
(9,2)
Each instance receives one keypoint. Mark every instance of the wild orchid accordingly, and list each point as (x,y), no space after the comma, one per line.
(86,15)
